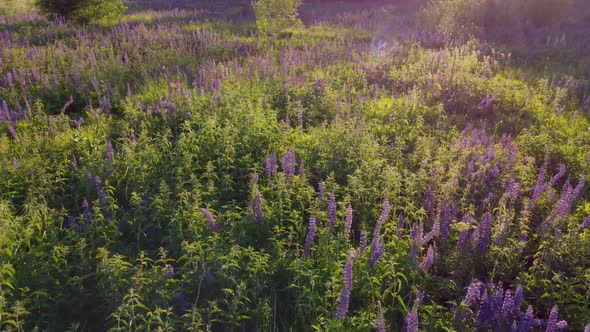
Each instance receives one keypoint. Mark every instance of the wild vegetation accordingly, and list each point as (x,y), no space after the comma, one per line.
(178,170)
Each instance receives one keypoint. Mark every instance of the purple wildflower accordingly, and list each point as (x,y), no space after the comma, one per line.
(363,241)
(74,161)
(342,310)
(587,328)
(512,191)
(382,218)
(321,192)
(170,273)
(508,307)
(434,232)
(288,163)
(552,322)
(332,209)
(429,203)
(100,191)
(485,103)
(132,137)
(255,178)
(558,176)
(473,294)
(540,187)
(446,220)
(311,230)
(12,132)
(379,321)
(86,212)
(377,247)
(209,216)
(485,313)
(484,232)
(417,231)
(464,235)
(109,153)
(561,325)
(518,298)
(527,321)
(348,221)
(428,261)
(585,224)
(258,207)
(411,323)
(72,222)
(270,166)
(400,225)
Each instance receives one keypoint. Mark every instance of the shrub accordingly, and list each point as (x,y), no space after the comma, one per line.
(493,18)
(275,16)
(83,11)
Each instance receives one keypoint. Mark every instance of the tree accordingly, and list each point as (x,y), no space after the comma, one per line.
(275,16)
(83,11)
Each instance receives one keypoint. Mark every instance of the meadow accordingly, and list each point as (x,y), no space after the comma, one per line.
(177,171)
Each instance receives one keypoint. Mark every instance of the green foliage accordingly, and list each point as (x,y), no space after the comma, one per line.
(83,11)
(276,16)
(493,18)
(11,7)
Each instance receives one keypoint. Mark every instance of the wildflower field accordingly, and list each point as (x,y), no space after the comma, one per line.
(177,170)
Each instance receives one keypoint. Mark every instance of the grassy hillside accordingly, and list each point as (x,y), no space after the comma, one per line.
(178,172)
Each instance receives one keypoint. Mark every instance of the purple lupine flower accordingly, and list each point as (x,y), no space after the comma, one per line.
(86,212)
(379,321)
(512,191)
(382,218)
(72,222)
(100,191)
(109,157)
(268,166)
(400,225)
(446,220)
(419,297)
(258,207)
(255,178)
(311,230)
(332,209)
(321,192)
(430,202)
(132,137)
(377,247)
(74,161)
(473,294)
(558,176)
(587,328)
(428,261)
(342,310)
(434,232)
(518,298)
(363,241)
(540,187)
(288,163)
(527,321)
(170,273)
(585,224)
(552,322)
(348,221)
(485,313)
(411,322)
(484,232)
(485,103)
(209,216)
(508,307)
(464,235)
(561,325)
(12,131)
(274,165)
